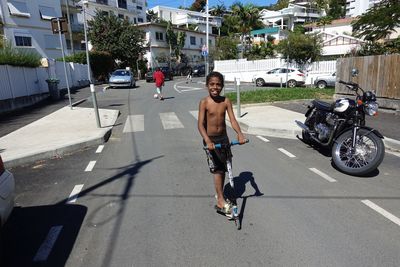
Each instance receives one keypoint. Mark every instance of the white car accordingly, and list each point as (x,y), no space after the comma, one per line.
(7,192)
(294,77)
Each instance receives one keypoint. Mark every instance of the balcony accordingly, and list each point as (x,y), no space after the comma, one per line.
(77,27)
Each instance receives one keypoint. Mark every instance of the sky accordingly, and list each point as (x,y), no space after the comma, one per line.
(187,3)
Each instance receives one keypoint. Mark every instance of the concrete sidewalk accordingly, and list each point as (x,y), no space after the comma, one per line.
(62,131)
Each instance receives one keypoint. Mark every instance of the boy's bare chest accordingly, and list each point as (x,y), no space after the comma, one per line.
(216,110)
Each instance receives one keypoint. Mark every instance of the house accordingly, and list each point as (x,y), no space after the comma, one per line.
(26,24)
(159,51)
(297,12)
(71,10)
(356,8)
(184,18)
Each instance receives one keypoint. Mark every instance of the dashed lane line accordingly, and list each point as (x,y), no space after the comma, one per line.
(74,194)
(90,166)
(100,149)
(287,153)
(262,138)
(46,247)
(323,175)
(382,211)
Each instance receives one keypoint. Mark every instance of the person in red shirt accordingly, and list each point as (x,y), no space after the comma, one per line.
(159,78)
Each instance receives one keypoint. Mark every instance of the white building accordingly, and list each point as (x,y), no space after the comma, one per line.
(356,8)
(133,10)
(26,24)
(159,51)
(183,17)
(297,12)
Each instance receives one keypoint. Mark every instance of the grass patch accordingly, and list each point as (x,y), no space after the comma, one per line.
(282,94)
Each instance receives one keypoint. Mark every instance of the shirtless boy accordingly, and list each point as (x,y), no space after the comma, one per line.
(212,127)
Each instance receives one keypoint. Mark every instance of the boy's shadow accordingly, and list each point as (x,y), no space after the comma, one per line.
(240,188)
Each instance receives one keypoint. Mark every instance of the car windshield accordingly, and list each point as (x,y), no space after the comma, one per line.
(120,73)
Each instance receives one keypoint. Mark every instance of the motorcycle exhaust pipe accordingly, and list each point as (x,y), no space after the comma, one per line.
(302,125)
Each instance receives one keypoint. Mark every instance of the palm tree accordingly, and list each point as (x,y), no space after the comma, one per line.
(249,18)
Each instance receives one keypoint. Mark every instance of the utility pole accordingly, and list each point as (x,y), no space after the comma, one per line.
(207,42)
(92,89)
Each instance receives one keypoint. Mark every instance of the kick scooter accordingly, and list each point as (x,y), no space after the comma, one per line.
(235,212)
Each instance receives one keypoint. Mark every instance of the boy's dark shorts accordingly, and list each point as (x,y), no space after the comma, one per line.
(217,158)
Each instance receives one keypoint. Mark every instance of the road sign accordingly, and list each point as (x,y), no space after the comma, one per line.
(204,53)
(63,24)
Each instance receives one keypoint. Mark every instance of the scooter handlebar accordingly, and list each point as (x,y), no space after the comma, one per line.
(233,143)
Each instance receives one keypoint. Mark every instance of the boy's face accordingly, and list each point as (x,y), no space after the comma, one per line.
(214,86)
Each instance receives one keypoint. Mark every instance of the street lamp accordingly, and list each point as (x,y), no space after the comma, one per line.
(92,89)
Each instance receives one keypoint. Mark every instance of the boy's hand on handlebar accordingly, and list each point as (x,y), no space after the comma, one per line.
(210,145)
(242,140)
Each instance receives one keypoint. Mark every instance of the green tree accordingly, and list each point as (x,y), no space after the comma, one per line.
(218,10)
(336,9)
(301,48)
(323,21)
(226,48)
(120,38)
(248,18)
(261,51)
(175,40)
(198,5)
(379,21)
(151,16)
(280,4)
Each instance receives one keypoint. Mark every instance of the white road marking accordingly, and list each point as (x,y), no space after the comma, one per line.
(192,89)
(194,113)
(134,123)
(323,175)
(100,149)
(45,249)
(169,120)
(176,89)
(287,153)
(90,166)
(383,212)
(262,138)
(74,194)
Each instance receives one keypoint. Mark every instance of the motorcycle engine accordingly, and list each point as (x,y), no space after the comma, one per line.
(325,127)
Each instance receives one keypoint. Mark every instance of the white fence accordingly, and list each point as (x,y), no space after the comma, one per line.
(245,70)
(21,81)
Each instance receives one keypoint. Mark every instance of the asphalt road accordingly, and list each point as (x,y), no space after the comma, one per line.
(146,199)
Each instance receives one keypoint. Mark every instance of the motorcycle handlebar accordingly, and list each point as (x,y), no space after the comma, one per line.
(348,83)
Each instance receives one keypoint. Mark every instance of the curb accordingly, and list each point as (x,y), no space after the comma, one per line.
(58,151)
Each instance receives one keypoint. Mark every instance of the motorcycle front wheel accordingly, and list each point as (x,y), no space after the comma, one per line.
(364,158)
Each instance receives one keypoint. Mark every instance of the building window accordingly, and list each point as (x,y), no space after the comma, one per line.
(104,2)
(159,36)
(122,4)
(139,7)
(192,40)
(140,20)
(121,16)
(104,13)
(23,41)
(18,9)
(201,40)
(134,21)
(47,13)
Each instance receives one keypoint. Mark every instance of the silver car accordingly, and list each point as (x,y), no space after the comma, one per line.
(7,191)
(325,81)
(122,78)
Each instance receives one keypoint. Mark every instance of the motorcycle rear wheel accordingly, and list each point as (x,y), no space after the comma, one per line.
(365,158)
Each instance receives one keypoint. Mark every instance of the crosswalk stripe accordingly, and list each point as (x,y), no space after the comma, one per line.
(194,113)
(169,120)
(134,123)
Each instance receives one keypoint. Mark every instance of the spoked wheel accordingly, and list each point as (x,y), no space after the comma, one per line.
(291,83)
(260,82)
(365,157)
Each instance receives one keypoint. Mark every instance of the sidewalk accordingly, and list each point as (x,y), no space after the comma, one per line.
(66,130)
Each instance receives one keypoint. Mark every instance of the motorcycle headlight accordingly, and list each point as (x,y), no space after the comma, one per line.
(371,108)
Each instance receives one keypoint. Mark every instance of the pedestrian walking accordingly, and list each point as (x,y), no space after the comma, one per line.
(189,76)
(159,78)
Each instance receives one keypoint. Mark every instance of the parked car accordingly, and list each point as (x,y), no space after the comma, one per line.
(276,76)
(182,69)
(7,192)
(199,70)
(167,73)
(324,81)
(122,78)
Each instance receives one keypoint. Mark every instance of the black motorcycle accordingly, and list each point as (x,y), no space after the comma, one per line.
(356,148)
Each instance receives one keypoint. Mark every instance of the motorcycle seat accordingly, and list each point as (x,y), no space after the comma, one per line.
(321,105)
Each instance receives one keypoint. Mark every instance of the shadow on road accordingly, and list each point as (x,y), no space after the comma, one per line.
(30,232)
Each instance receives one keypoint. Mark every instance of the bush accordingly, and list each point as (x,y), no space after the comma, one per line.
(101,63)
(17,57)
